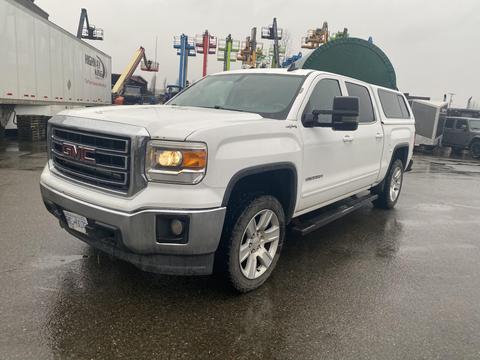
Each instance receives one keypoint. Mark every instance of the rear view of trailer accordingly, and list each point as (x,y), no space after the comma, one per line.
(429,121)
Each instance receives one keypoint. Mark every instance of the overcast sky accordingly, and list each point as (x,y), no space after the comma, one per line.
(433,44)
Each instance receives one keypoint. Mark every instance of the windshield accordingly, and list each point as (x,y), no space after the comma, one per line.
(269,95)
(474,125)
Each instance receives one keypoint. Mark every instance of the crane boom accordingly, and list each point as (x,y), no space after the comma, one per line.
(89,32)
(128,72)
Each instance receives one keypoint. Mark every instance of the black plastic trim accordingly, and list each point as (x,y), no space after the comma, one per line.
(259,169)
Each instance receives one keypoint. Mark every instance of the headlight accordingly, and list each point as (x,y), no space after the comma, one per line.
(176,162)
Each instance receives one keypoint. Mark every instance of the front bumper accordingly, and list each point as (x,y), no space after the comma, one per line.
(132,236)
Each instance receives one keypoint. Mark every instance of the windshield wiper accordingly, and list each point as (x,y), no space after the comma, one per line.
(218,107)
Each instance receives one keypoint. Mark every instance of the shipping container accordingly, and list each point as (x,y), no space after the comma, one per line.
(42,64)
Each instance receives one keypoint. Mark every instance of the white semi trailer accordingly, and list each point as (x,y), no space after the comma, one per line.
(44,69)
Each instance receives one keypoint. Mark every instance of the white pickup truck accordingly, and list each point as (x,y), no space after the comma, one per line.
(212,178)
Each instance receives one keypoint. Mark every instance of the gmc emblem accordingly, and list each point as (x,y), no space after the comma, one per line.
(78,152)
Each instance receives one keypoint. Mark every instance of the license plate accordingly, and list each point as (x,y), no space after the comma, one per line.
(76,222)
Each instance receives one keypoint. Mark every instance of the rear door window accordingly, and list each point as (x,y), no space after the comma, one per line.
(393,105)
(449,123)
(461,124)
(403,107)
(366,114)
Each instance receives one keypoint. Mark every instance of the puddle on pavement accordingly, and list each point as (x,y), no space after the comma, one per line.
(22,155)
(449,166)
(51,262)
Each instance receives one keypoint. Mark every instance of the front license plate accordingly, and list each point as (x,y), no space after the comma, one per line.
(76,222)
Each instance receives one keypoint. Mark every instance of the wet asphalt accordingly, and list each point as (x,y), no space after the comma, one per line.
(401,284)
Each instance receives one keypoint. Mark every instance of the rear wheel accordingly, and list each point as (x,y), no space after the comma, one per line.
(475,149)
(388,196)
(250,249)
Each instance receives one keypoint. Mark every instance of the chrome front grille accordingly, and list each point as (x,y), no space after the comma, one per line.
(94,158)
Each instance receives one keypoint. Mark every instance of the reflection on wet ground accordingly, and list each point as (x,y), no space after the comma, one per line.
(396,284)
(22,155)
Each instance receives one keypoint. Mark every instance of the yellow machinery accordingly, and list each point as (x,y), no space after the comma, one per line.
(251,51)
(315,37)
(147,65)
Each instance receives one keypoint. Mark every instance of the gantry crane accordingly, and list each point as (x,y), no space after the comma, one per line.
(147,65)
(89,32)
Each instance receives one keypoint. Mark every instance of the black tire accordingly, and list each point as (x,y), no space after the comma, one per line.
(385,198)
(475,149)
(228,255)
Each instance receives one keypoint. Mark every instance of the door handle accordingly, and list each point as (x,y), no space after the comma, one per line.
(347,139)
(379,136)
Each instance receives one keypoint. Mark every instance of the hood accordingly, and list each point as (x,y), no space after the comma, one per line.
(166,121)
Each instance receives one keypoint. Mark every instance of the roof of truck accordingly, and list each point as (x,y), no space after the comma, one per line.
(303,72)
(283,71)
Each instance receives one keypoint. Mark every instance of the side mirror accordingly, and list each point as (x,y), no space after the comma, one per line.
(344,115)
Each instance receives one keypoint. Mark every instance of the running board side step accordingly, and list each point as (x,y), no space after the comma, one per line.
(311,222)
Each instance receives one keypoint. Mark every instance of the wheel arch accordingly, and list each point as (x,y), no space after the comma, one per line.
(400,151)
(474,139)
(255,178)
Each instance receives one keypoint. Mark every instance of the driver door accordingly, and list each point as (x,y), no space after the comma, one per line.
(327,153)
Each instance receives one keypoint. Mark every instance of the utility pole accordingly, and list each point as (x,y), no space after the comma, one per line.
(154,78)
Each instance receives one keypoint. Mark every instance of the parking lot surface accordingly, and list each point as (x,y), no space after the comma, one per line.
(401,284)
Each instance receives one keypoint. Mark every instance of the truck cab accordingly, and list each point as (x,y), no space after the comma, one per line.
(211,180)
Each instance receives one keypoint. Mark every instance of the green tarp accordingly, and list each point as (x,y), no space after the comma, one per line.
(354,58)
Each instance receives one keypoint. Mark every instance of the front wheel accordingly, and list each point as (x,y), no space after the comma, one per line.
(475,149)
(252,247)
(388,196)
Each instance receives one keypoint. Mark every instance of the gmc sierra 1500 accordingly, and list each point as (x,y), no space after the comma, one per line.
(212,178)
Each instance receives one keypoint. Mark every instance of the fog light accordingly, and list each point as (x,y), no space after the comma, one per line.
(176,227)
(171,228)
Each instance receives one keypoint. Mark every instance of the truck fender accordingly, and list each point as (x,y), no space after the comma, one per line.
(402,145)
(259,169)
